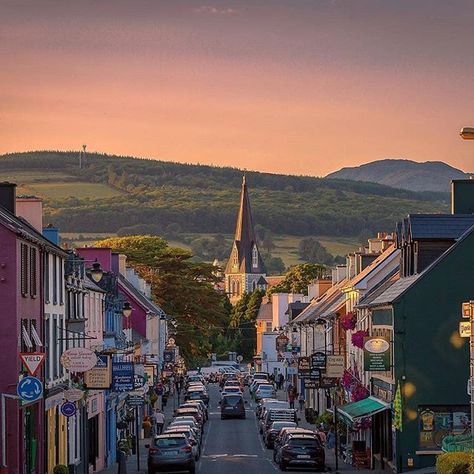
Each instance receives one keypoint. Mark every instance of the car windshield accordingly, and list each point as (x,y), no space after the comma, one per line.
(170,442)
(233,401)
(278,425)
(303,442)
(265,387)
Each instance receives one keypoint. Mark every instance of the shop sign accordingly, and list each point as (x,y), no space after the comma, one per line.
(68,409)
(465,329)
(318,360)
(149,373)
(310,384)
(78,359)
(135,400)
(138,381)
(376,354)
(122,376)
(304,366)
(73,394)
(382,393)
(335,366)
(327,382)
(281,342)
(99,377)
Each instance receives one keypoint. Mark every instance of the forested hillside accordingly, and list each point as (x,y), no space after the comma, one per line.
(126,195)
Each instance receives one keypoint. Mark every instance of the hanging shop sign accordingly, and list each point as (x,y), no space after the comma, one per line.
(376,354)
(135,400)
(318,360)
(149,374)
(281,342)
(335,366)
(138,381)
(327,382)
(73,394)
(122,376)
(32,361)
(310,384)
(100,376)
(465,328)
(78,359)
(304,366)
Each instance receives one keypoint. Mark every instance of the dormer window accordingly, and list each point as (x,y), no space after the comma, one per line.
(254,257)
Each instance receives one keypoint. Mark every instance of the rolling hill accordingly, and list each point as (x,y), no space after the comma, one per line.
(403,174)
(125,195)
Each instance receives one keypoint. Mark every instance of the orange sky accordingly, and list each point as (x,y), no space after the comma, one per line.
(300,86)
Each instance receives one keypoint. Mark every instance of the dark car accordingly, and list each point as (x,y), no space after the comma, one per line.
(283,436)
(170,452)
(302,450)
(232,406)
(272,432)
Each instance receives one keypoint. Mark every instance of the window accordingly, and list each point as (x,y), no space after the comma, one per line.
(55,349)
(33,272)
(254,257)
(61,281)
(46,278)
(55,280)
(24,269)
(47,342)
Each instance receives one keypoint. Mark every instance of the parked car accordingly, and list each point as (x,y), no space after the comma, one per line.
(192,411)
(197,403)
(170,452)
(277,414)
(267,403)
(265,391)
(232,405)
(283,437)
(274,429)
(189,433)
(302,450)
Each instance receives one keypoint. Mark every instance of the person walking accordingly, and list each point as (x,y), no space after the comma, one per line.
(291,396)
(331,439)
(160,421)
(280,381)
(301,401)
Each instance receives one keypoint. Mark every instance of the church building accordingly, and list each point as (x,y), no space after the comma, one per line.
(245,270)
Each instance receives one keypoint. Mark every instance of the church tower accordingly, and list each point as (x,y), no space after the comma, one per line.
(245,270)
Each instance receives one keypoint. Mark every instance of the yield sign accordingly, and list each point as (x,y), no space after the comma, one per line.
(32,361)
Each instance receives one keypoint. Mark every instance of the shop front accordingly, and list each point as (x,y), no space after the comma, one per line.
(96,431)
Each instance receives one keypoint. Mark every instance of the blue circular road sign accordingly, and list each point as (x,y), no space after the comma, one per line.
(68,409)
(29,389)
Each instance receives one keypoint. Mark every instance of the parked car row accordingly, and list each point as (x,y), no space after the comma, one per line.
(179,446)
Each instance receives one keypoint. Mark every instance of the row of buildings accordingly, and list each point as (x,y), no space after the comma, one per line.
(53,301)
(378,345)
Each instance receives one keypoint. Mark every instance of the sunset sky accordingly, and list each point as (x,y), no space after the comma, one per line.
(293,86)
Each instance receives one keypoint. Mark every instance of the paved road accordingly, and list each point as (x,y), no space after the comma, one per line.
(233,446)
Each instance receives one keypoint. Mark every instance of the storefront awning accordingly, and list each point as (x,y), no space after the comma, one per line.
(361,409)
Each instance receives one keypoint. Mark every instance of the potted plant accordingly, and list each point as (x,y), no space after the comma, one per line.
(60,469)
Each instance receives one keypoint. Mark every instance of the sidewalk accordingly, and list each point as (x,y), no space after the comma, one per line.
(132,464)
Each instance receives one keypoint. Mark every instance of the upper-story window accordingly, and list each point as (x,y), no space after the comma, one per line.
(24,269)
(254,257)
(33,272)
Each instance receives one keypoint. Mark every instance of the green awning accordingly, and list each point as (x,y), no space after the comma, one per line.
(361,409)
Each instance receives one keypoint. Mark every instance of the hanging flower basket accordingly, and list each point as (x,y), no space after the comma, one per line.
(358,339)
(359,392)
(348,321)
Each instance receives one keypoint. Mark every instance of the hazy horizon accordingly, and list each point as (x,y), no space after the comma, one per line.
(305,88)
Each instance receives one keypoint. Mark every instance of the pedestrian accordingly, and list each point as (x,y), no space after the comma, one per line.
(331,439)
(322,436)
(146,425)
(301,401)
(291,396)
(281,379)
(160,421)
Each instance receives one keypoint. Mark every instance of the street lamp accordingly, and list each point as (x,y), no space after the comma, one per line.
(467,133)
(127,309)
(96,271)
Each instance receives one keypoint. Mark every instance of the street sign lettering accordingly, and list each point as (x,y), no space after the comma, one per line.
(122,376)
(32,361)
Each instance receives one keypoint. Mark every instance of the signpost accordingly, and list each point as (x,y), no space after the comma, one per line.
(32,361)
(30,389)
(335,366)
(122,376)
(68,409)
(376,354)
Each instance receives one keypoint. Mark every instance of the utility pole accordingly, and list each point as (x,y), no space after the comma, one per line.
(82,155)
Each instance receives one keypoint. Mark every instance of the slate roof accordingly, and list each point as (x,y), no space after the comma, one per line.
(395,290)
(379,289)
(439,226)
(140,297)
(265,312)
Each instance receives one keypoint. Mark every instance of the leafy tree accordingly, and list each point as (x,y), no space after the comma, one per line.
(299,277)
(312,251)
(274,265)
(184,289)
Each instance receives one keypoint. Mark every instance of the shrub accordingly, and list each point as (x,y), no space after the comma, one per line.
(454,463)
(60,469)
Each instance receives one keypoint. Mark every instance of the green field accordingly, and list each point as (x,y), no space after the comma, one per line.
(74,189)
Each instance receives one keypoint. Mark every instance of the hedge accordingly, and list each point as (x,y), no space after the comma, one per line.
(454,463)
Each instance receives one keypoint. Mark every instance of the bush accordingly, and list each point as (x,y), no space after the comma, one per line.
(453,463)
(60,469)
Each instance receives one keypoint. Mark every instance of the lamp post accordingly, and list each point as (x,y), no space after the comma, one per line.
(467,133)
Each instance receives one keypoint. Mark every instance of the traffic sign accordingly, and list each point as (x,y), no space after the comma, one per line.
(32,361)
(68,409)
(30,389)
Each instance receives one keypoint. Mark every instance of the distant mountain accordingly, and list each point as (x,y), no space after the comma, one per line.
(129,195)
(403,174)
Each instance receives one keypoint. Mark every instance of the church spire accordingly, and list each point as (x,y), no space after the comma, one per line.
(244,231)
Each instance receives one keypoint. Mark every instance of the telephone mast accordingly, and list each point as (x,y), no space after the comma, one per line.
(82,155)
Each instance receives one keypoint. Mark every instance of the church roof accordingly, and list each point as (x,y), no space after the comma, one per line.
(244,239)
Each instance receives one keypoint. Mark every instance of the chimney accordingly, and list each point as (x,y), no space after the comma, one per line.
(31,209)
(122,264)
(52,234)
(8,196)
(462,196)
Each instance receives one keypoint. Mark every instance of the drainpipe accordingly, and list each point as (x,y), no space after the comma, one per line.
(3,402)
